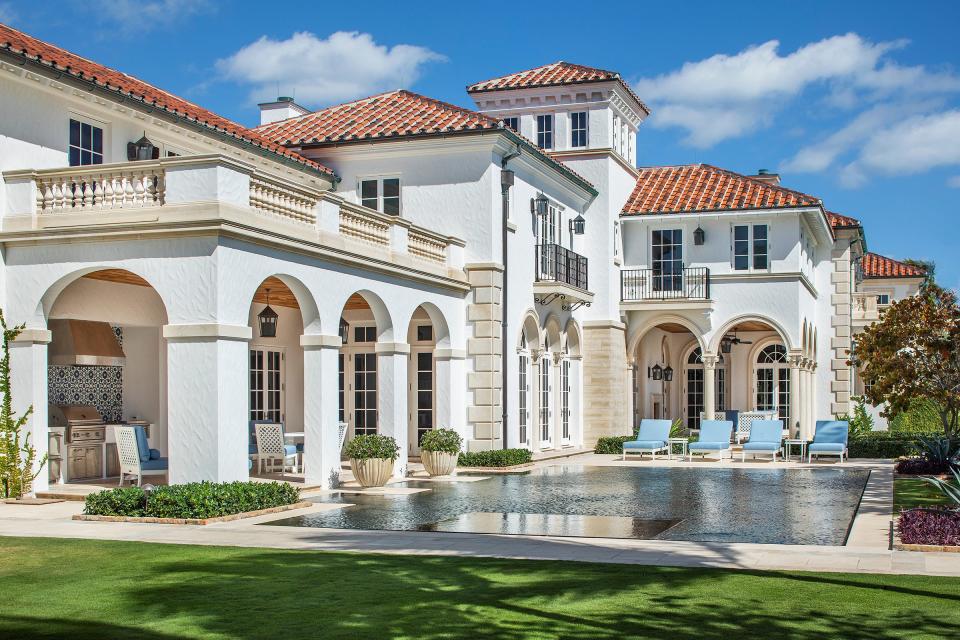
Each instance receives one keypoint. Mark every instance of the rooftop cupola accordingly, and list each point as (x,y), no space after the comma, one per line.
(280,109)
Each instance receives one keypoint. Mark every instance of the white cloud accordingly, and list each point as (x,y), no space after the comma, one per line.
(727,96)
(953,182)
(136,16)
(343,66)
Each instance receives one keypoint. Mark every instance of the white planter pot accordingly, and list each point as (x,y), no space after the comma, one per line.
(372,472)
(439,463)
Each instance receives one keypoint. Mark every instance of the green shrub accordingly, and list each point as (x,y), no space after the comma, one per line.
(495,458)
(612,444)
(194,500)
(364,447)
(883,444)
(923,416)
(444,440)
(861,422)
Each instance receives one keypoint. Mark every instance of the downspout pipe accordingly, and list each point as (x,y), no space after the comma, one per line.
(506,181)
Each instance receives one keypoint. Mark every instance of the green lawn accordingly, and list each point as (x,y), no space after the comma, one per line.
(912,492)
(52,588)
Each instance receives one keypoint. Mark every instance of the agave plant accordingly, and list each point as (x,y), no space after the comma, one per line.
(939,449)
(948,488)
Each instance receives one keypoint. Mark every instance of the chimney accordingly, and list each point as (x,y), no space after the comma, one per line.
(280,109)
(764,175)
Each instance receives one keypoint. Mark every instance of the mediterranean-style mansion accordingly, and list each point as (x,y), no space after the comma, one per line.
(397,264)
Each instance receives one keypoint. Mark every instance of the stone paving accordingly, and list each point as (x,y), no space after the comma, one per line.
(867,550)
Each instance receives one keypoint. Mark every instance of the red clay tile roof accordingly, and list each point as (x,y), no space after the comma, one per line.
(701,187)
(389,116)
(59,59)
(552,75)
(386,115)
(877,266)
(839,221)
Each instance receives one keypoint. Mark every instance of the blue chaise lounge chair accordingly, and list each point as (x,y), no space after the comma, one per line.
(714,438)
(651,438)
(830,439)
(765,437)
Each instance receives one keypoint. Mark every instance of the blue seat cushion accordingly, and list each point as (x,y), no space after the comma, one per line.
(154,465)
(644,444)
(761,446)
(834,447)
(143,449)
(290,449)
(709,446)
(154,454)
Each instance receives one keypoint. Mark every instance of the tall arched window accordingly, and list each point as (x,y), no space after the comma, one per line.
(694,378)
(546,435)
(773,381)
(523,404)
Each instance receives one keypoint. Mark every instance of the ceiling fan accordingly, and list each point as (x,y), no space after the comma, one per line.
(727,342)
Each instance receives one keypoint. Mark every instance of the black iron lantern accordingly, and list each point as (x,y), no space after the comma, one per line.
(344,330)
(540,204)
(726,345)
(577,225)
(142,149)
(657,372)
(268,320)
(668,374)
(698,236)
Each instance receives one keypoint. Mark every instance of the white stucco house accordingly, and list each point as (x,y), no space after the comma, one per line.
(507,271)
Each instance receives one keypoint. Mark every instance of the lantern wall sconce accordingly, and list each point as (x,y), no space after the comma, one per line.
(668,374)
(142,149)
(344,330)
(578,225)
(656,372)
(539,205)
(699,236)
(268,320)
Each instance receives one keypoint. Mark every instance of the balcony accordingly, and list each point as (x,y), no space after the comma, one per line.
(866,308)
(216,192)
(688,285)
(560,273)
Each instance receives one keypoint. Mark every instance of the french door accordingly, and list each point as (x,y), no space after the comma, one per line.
(565,401)
(523,404)
(364,393)
(773,381)
(266,384)
(422,398)
(667,259)
(546,411)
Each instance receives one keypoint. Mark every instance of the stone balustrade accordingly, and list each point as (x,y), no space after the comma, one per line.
(78,195)
(865,307)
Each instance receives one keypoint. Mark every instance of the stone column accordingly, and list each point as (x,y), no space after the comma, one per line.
(811,399)
(451,385)
(576,400)
(797,386)
(533,429)
(392,363)
(28,387)
(709,385)
(321,410)
(604,359)
(628,395)
(485,379)
(207,404)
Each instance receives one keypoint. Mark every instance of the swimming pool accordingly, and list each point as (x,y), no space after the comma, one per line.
(781,506)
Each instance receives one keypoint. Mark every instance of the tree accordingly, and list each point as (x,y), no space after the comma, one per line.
(17,454)
(913,352)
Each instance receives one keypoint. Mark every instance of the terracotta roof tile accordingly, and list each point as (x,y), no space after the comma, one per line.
(52,56)
(389,116)
(839,221)
(552,75)
(702,187)
(874,265)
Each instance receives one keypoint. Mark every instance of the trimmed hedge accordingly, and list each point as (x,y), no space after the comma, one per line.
(495,458)
(612,444)
(884,444)
(923,416)
(193,500)
(930,526)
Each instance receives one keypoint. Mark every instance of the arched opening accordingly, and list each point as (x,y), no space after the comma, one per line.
(280,308)
(527,347)
(548,369)
(422,336)
(772,379)
(364,321)
(106,368)
(571,384)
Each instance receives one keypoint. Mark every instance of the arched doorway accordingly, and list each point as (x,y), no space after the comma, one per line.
(527,346)
(107,353)
(694,378)
(772,380)
(422,402)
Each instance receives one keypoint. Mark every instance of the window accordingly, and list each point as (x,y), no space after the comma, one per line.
(750,242)
(381,194)
(424,333)
(578,129)
(266,384)
(883,299)
(545,131)
(364,393)
(522,405)
(86,143)
(364,334)
(667,259)
(546,432)
(695,388)
(549,228)
(616,133)
(773,381)
(565,399)
(512,123)
(424,394)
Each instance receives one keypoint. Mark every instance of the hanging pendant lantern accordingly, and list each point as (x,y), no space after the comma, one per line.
(668,374)
(657,372)
(268,320)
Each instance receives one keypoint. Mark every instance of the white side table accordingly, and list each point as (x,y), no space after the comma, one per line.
(789,443)
(683,442)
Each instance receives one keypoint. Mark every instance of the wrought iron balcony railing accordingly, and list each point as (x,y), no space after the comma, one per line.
(686,283)
(559,264)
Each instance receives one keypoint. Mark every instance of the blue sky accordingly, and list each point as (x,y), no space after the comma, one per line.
(858,106)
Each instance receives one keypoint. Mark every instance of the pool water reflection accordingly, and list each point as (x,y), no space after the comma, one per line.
(781,506)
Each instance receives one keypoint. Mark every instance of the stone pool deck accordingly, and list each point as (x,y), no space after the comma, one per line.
(867,549)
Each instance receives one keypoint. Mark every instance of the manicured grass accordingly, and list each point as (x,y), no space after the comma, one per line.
(912,492)
(90,589)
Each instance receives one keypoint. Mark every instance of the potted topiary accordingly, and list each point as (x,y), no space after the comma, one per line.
(439,450)
(371,458)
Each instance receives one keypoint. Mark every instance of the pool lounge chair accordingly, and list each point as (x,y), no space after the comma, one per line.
(830,439)
(765,437)
(714,438)
(651,438)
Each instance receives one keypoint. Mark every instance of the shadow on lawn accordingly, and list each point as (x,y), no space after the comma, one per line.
(256,594)
(29,627)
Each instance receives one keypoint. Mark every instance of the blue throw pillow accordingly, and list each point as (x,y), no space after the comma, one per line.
(154,454)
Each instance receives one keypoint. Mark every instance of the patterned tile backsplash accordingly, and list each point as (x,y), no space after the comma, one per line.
(101,387)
